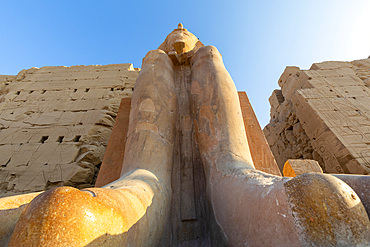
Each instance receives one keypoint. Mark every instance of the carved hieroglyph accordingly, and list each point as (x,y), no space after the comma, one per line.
(55,123)
(186,121)
(324,114)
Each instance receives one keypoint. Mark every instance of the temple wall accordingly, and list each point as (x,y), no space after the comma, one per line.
(324,114)
(55,123)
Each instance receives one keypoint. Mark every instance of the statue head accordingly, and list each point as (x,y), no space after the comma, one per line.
(180,40)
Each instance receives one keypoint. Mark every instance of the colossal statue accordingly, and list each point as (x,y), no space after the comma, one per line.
(186,118)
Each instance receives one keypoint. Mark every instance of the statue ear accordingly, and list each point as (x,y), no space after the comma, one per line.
(163,46)
(198,44)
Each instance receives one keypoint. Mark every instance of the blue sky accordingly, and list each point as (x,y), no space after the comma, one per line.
(257,39)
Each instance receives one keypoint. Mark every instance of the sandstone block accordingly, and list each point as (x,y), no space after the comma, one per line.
(289,70)
(83,84)
(91,117)
(84,105)
(31,180)
(345,81)
(21,156)
(322,104)
(312,74)
(59,95)
(70,118)
(330,65)
(294,168)
(293,83)
(95,94)
(97,133)
(64,153)
(331,106)
(61,105)
(43,119)
(354,91)
(335,118)
(355,167)
(276,98)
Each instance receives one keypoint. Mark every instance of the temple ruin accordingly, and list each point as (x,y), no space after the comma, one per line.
(56,122)
(178,158)
(323,114)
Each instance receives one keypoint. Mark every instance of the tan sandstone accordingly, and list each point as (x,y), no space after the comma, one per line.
(323,114)
(188,176)
(55,123)
(295,167)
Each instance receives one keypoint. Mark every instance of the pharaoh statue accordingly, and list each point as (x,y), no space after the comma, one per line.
(186,122)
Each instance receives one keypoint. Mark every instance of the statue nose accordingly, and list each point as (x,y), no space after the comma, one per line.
(179,46)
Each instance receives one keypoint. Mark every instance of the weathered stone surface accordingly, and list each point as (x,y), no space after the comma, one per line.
(187,149)
(286,136)
(11,209)
(261,154)
(346,224)
(294,167)
(98,219)
(251,205)
(361,185)
(111,166)
(324,116)
(131,210)
(55,123)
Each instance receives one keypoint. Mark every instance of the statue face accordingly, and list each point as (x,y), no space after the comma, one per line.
(179,40)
